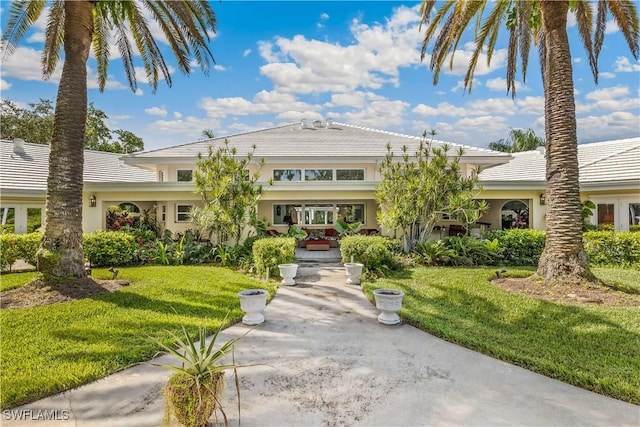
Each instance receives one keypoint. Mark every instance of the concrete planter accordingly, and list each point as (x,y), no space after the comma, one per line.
(253,303)
(389,302)
(354,270)
(288,273)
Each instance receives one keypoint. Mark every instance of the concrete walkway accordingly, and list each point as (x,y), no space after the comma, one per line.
(326,361)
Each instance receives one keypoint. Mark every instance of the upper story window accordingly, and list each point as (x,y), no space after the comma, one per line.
(185,175)
(161,175)
(318,174)
(350,174)
(287,175)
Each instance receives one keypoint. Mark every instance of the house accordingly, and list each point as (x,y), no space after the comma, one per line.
(609,176)
(321,171)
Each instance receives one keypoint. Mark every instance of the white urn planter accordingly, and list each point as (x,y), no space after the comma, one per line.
(354,270)
(288,273)
(389,302)
(253,303)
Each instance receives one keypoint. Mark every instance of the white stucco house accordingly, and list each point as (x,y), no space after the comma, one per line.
(321,171)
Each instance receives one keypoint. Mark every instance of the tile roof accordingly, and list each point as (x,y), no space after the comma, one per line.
(28,171)
(599,162)
(313,140)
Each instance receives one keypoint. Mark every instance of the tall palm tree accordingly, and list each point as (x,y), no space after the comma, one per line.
(519,140)
(74,27)
(543,23)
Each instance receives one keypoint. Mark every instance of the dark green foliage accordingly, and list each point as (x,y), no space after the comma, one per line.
(615,249)
(459,251)
(106,248)
(375,252)
(269,252)
(519,246)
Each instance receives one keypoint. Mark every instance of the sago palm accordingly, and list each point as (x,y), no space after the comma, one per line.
(541,23)
(74,27)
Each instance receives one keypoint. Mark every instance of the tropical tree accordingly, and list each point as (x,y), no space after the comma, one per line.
(519,140)
(542,23)
(74,27)
(415,192)
(35,124)
(229,193)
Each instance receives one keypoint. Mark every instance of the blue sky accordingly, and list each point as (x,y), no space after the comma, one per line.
(354,62)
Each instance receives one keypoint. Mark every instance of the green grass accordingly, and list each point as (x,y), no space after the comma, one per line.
(593,347)
(624,280)
(15,280)
(52,348)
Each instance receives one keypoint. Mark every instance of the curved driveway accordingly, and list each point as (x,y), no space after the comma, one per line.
(326,361)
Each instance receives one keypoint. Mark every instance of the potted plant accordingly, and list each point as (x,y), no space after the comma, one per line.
(389,302)
(288,273)
(253,303)
(194,391)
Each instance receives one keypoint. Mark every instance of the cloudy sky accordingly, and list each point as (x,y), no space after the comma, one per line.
(354,62)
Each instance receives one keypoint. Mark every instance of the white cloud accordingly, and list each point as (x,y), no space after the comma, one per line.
(246,53)
(156,111)
(608,93)
(607,75)
(379,114)
(264,102)
(139,92)
(24,64)
(500,84)
(611,27)
(610,126)
(356,99)
(531,105)
(577,60)
(443,109)
(324,16)
(219,67)
(188,128)
(177,115)
(141,74)
(4,85)
(623,64)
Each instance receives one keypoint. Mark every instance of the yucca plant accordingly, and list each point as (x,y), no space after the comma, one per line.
(194,391)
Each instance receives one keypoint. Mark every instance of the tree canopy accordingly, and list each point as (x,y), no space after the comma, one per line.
(35,124)
(519,140)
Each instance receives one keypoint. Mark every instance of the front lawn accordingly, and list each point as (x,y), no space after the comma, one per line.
(15,280)
(590,346)
(51,348)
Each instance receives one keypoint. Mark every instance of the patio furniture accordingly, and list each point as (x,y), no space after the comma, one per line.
(318,245)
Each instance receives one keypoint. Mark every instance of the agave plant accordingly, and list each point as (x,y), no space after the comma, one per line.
(194,391)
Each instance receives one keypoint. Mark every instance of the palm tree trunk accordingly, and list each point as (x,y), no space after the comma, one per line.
(564,257)
(60,253)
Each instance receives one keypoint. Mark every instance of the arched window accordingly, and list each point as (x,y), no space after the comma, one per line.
(514,214)
(129,207)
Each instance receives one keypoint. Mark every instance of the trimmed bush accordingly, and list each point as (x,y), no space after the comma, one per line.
(614,249)
(375,252)
(19,246)
(269,252)
(520,246)
(107,248)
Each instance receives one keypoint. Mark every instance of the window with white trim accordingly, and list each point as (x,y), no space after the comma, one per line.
(350,174)
(182,213)
(287,174)
(184,175)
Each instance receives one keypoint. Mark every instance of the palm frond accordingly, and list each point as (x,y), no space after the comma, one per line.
(54,38)
(584,17)
(22,15)
(100,43)
(625,15)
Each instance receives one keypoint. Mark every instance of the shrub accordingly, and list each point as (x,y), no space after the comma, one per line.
(471,251)
(104,248)
(520,246)
(375,252)
(432,253)
(616,249)
(19,246)
(269,252)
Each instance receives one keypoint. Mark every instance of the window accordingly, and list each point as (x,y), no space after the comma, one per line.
(185,175)
(8,216)
(514,214)
(287,175)
(350,212)
(318,214)
(163,213)
(182,213)
(634,216)
(318,175)
(161,176)
(129,207)
(606,217)
(287,214)
(34,219)
(350,174)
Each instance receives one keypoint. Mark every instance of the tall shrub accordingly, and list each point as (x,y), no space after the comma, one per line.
(104,248)
(269,252)
(614,249)
(375,252)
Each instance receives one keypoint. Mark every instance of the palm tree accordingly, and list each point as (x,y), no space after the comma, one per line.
(74,27)
(519,140)
(543,23)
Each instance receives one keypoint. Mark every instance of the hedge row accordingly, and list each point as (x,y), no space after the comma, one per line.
(18,246)
(603,248)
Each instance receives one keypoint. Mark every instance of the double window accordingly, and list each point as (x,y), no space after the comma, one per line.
(182,213)
(317,214)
